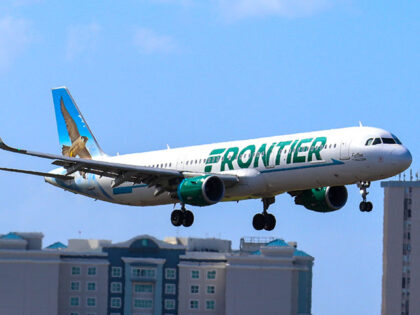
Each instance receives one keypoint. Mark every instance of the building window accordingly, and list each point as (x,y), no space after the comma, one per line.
(194,304)
(211,275)
(75,271)
(195,274)
(116,272)
(74,313)
(210,305)
(75,286)
(91,271)
(90,313)
(170,288)
(143,303)
(194,289)
(91,286)
(91,301)
(143,272)
(74,301)
(115,302)
(169,304)
(116,287)
(211,289)
(143,288)
(170,273)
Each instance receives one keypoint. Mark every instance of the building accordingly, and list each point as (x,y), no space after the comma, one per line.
(266,276)
(147,276)
(29,276)
(202,276)
(276,279)
(143,276)
(51,281)
(401,248)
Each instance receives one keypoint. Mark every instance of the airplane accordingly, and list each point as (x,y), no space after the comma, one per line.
(313,167)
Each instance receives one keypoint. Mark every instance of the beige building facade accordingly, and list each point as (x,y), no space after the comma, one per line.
(401,248)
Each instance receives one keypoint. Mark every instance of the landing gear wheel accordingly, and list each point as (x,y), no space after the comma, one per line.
(265,220)
(258,222)
(177,217)
(188,218)
(365,206)
(270,222)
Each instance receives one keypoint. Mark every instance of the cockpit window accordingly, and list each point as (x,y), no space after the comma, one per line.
(377,141)
(396,139)
(388,141)
(369,141)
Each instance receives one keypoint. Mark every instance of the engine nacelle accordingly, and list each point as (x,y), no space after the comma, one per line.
(201,191)
(324,199)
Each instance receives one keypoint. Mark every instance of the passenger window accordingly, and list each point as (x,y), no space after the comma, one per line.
(335,145)
(388,141)
(369,141)
(377,141)
(186,163)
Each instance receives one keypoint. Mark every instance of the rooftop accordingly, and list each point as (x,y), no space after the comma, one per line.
(400,183)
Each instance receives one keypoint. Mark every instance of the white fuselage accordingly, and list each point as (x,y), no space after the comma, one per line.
(265,166)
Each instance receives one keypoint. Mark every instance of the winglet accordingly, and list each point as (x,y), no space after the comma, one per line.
(4,146)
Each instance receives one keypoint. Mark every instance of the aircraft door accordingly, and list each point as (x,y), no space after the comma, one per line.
(345,149)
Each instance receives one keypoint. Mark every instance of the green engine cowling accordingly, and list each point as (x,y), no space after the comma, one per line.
(201,191)
(324,199)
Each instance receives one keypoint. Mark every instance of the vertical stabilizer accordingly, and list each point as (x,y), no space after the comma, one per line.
(75,137)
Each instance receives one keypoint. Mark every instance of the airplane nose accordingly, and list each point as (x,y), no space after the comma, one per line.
(402,158)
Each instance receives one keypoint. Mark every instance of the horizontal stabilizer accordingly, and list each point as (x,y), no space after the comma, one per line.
(58,176)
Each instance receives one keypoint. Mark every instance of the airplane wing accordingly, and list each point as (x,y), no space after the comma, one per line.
(162,179)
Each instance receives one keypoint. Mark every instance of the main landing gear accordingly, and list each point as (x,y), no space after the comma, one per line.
(365,206)
(182,217)
(265,220)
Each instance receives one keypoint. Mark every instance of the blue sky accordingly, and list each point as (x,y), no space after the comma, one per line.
(150,73)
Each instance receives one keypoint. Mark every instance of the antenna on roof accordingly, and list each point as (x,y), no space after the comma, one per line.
(417,176)
(399,176)
(360,124)
(411,175)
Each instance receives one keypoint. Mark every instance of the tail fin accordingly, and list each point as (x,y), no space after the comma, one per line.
(74,134)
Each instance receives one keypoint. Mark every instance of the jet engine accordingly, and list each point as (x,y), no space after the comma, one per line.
(324,199)
(201,191)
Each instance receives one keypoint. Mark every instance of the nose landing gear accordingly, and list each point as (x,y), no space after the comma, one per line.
(265,220)
(365,206)
(182,217)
